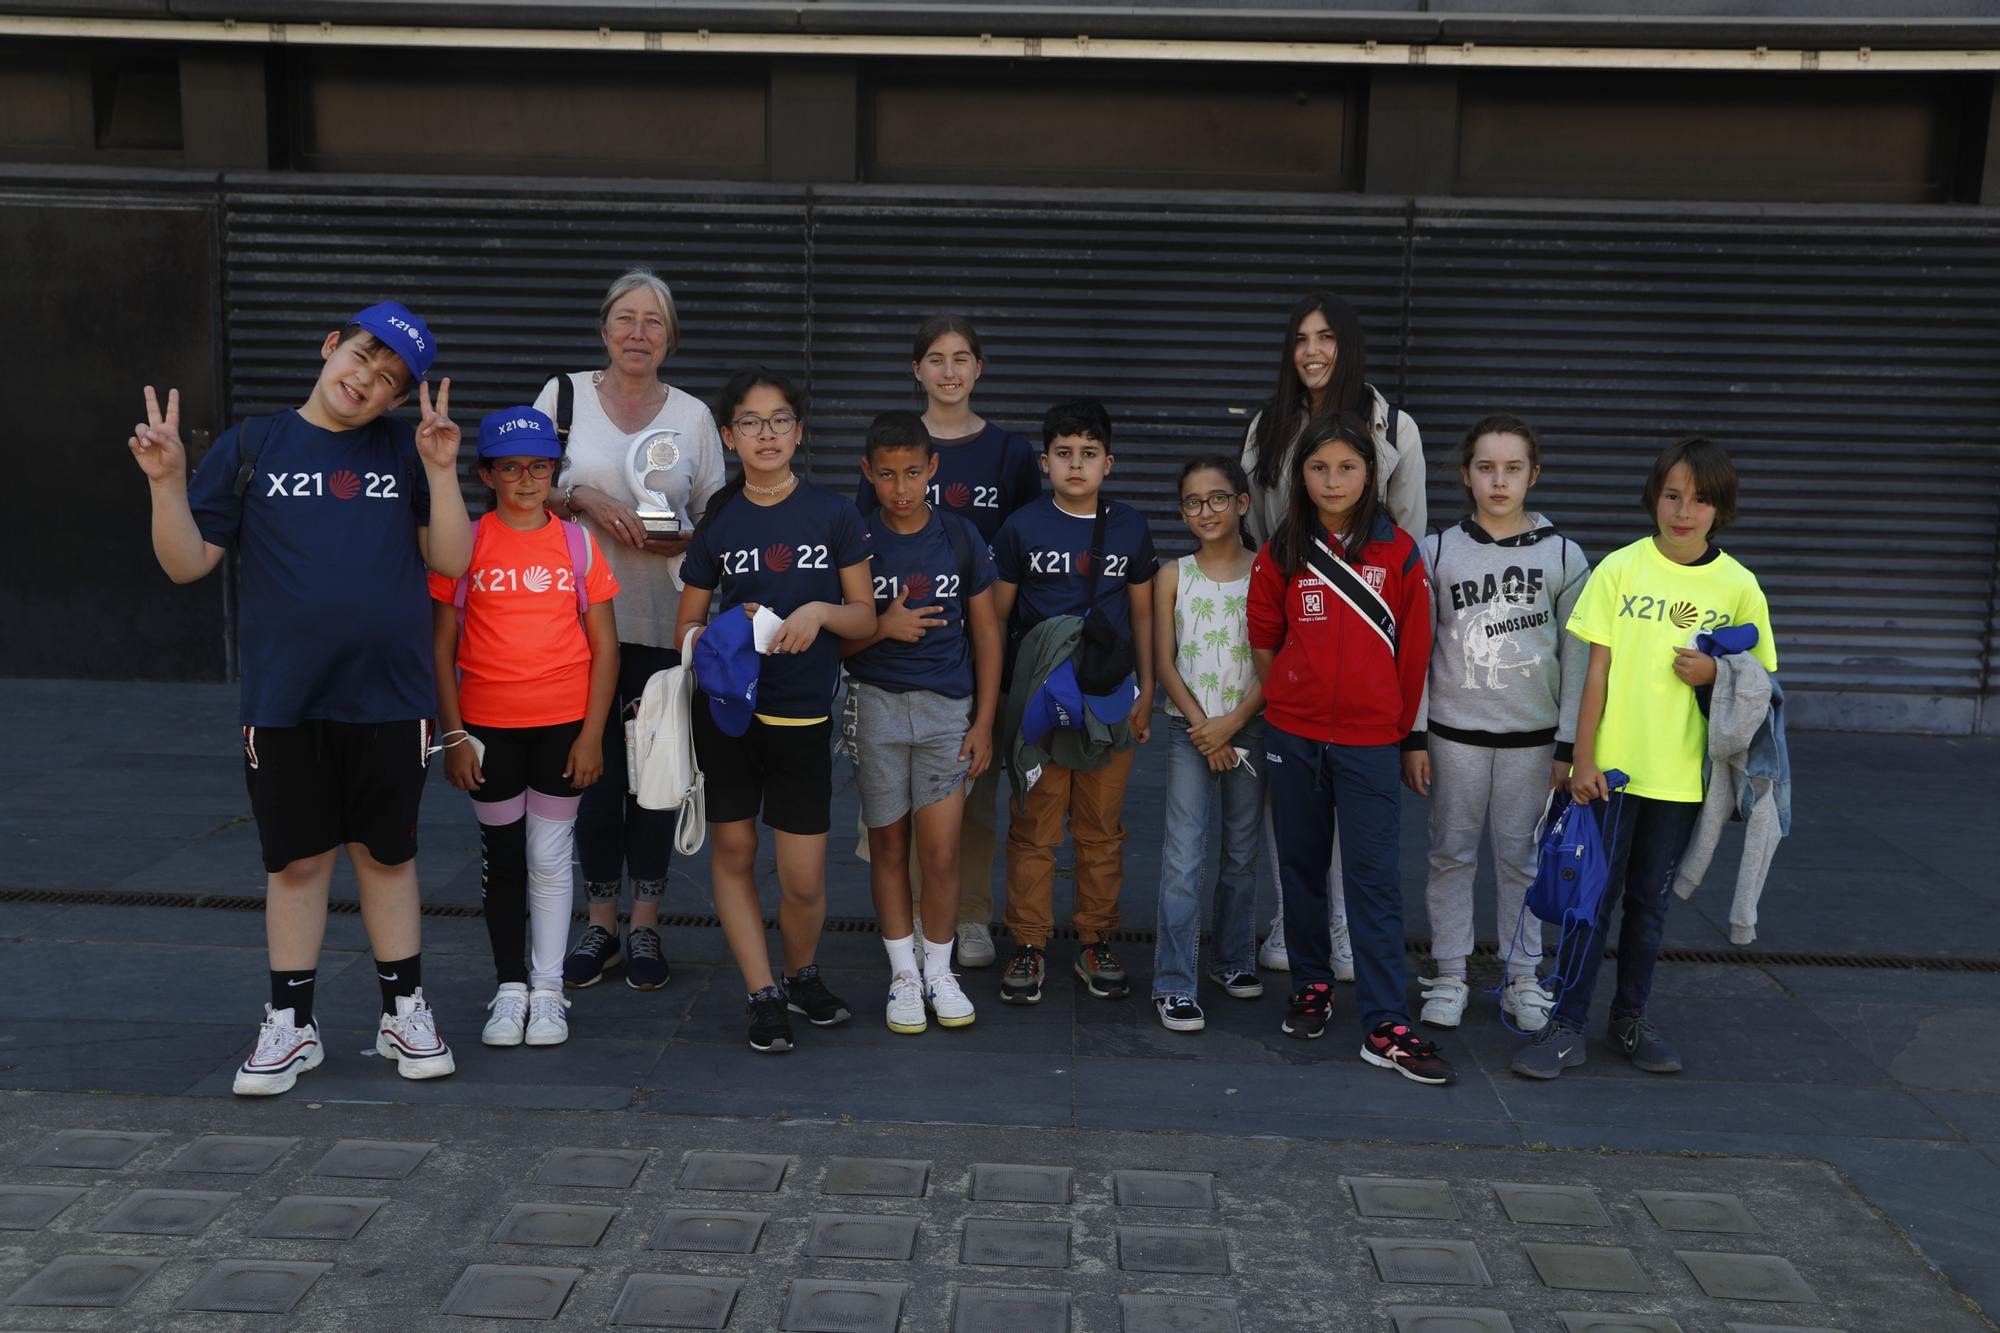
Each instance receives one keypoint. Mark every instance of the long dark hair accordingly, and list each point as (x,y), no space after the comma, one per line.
(1347,391)
(1295,536)
(1499,423)
(1232,471)
(727,400)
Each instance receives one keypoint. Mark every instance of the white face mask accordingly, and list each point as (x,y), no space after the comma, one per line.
(451,738)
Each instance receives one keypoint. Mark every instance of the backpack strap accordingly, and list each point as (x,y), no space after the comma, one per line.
(1351,588)
(249,445)
(579,561)
(565,407)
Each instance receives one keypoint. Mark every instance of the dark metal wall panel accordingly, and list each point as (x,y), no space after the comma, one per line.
(1846,358)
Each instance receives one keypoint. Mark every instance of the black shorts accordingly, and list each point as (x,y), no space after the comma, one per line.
(788,770)
(520,759)
(321,785)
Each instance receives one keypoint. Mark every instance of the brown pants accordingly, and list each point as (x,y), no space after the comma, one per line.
(1092,802)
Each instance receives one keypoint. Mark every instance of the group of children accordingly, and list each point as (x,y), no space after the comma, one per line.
(1309,669)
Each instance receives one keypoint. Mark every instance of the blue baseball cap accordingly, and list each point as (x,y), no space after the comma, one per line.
(726,664)
(518,432)
(1115,707)
(402,333)
(1057,705)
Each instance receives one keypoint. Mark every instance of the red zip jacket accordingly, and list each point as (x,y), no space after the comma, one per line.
(1335,679)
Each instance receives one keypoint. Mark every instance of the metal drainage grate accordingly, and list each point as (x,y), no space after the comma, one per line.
(862,925)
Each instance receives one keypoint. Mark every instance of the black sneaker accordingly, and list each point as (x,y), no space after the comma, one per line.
(1239,984)
(770,1023)
(1021,983)
(1310,1006)
(1644,1046)
(1101,973)
(645,965)
(808,995)
(1394,1046)
(596,953)
(1179,1013)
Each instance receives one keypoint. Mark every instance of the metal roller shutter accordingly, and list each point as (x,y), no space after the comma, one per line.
(1846,358)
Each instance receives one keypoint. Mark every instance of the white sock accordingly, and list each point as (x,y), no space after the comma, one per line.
(551,842)
(937,959)
(902,955)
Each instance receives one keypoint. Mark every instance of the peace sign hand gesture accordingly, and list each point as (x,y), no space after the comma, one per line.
(437,435)
(156,442)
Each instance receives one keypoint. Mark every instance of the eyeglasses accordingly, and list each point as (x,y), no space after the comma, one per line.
(1215,502)
(779,423)
(541,470)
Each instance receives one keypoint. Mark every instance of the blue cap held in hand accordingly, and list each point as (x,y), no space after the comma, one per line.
(726,666)
(518,432)
(402,333)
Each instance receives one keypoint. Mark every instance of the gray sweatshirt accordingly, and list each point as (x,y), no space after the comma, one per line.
(1738,706)
(1503,673)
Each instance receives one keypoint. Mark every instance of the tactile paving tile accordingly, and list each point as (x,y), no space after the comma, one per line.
(91,1149)
(100,1281)
(1745,1277)
(996,1182)
(231,1154)
(1450,1263)
(1449,1319)
(575,1224)
(816,1306)
(504,1291)
(1164,1189)
(1580,1321)
(1010,1310)
(1680,1210)
(164,1212)
(593,1168)
(1775,1328)
(1010,1244)
(32,1207)
(1588,1268)
(1382,1196)
(1173,1250)
(1157,1312)
(895,1177)
(1552,1205)
(316,1217)
(707,1231)
(861,1236)
(660,1300)
(372,1159)
(252,1286)
(756,1173)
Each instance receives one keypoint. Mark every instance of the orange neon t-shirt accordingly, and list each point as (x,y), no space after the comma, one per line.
(523,660)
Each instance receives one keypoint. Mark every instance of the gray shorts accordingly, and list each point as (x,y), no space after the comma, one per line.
(905,749)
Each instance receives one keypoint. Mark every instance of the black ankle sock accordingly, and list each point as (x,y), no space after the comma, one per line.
(401,977)
(294,991)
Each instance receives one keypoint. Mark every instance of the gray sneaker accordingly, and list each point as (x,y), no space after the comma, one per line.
(1555,1048)
(1644,1046)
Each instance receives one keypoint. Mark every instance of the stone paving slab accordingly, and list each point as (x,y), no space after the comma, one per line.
(1283,1249)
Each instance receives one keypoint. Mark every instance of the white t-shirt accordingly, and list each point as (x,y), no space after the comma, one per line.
(649,594)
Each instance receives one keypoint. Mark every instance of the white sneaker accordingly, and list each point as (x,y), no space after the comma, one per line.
(975,945)
(947,999)
(906,1004)
(548,1023)
(1444,1001)
(1271,956)
(509,1007)
(410,1038)
(1343,951)
(283,1052)
(1527,1002)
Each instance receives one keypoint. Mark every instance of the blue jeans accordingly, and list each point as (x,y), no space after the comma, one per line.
(1645,851)
(1310,780)
(1193,792)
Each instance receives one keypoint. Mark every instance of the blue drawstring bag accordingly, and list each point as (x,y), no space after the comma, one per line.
(1572,871)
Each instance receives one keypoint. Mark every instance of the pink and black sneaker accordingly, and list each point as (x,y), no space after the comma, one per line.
(1394,1046)
(1311,1004)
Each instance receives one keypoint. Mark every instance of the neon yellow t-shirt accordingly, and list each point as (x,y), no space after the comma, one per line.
(1642,606)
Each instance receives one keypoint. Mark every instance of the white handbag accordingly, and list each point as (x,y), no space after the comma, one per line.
(662,771)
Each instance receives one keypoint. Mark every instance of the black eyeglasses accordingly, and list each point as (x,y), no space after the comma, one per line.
(1215,502)
(541,469)
(781,424)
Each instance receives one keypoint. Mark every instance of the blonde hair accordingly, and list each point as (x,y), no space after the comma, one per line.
(630,281)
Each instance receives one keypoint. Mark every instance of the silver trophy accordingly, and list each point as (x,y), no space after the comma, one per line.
(655,451)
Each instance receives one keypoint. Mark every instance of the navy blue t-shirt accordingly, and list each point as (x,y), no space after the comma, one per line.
(924,562)
(782,556)
(335,614)
(984,479)
(1045,551)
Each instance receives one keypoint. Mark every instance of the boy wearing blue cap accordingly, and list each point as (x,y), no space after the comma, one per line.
(527,664)
(925,688)
(335,509)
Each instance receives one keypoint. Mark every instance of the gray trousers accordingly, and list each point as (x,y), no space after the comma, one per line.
(1477,789)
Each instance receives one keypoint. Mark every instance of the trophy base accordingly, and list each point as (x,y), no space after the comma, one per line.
(659,525)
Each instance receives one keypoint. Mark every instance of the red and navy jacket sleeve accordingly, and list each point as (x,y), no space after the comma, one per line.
(1413,630)
(1267,602)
